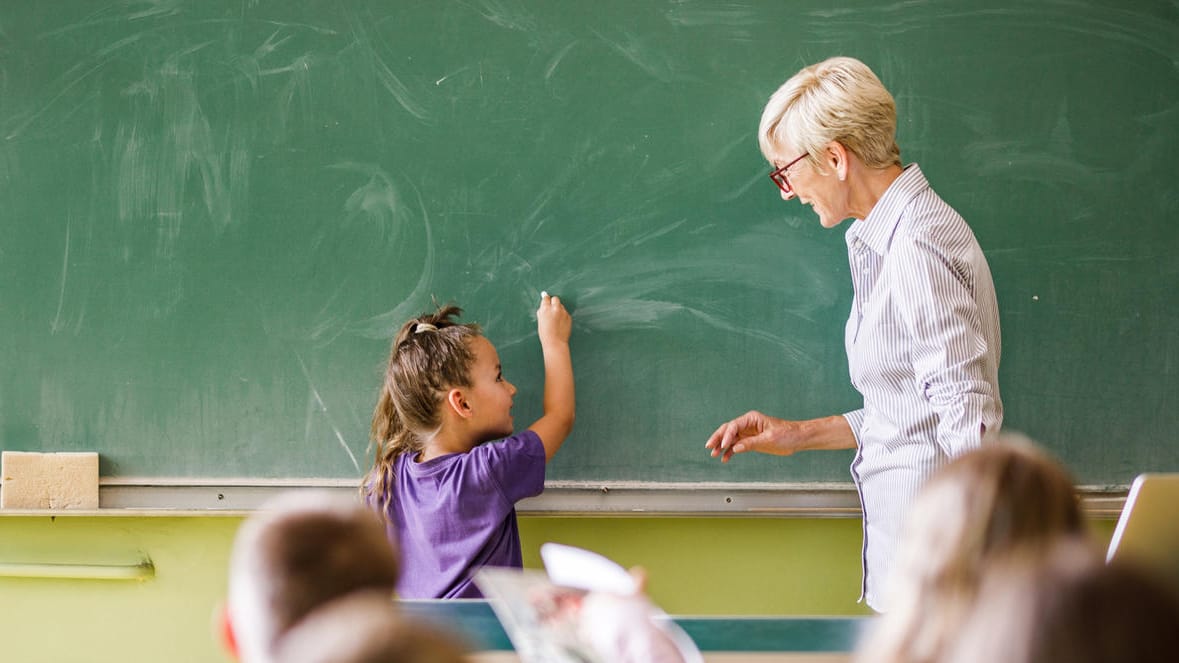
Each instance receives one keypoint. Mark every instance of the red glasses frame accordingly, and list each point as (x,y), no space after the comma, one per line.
(779,175)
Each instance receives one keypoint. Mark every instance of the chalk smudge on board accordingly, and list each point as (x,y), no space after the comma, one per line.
(505,16)
(385,325)
(658,232)
(642,238)
(1021,162)
(1093,24)
(654,63)
(557,58)
(73,77)
(640,294)
(628,314)
(55,326)
(385,74)
(740,191)
(165,142)
(297,85)
(324,410)
(733,21)
(327,327)
(376,201)
(456,72)
(272,44)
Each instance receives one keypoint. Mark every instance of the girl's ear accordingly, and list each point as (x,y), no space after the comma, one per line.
(458,403)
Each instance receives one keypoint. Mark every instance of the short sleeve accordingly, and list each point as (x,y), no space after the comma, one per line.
(516,464)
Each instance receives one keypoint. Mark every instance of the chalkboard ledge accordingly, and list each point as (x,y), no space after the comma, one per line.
(559,498)
(118,512)
(235,497)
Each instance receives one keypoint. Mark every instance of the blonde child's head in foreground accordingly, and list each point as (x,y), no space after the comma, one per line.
(1069,605)
(297,552)
(365,627)
(1004,498)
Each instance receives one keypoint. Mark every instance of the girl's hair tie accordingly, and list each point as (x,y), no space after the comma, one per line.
(423,327)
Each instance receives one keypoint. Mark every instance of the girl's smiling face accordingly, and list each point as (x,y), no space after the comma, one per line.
(490,395)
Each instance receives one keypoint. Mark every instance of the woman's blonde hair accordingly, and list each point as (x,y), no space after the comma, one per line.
(1005,498)
(430,354)
(839,99)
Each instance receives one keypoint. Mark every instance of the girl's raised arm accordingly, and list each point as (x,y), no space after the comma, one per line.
(553,324)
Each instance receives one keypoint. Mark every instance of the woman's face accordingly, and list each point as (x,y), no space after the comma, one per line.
(824,192)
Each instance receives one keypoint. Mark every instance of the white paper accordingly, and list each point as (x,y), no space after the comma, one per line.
(582,569)
(543,616)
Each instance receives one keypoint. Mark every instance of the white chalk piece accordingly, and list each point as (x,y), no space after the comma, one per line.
(544,293)
(66,480)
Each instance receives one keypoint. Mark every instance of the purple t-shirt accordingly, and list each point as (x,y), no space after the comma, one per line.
(457,513)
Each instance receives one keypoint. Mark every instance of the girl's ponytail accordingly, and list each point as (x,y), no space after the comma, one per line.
(391,439)
(430,354)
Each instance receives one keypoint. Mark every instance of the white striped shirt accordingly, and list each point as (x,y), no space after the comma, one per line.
(923,350)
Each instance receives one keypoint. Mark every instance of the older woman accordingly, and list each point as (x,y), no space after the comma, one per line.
(922,338)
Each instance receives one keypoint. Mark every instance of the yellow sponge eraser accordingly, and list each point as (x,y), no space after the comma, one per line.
(65,480)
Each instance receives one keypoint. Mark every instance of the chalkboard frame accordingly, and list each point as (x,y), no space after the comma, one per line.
(124,287)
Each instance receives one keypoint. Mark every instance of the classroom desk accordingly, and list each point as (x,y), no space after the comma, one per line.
(721,639)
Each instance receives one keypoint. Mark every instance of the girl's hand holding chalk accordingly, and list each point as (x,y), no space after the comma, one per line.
(553,322)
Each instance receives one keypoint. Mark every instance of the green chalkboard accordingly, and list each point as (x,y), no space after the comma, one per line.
(215,213)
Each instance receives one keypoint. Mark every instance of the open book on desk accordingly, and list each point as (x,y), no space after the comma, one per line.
(583,608)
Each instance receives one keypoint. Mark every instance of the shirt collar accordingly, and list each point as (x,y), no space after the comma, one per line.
(877,228)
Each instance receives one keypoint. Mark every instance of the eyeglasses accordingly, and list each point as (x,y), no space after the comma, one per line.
(779,176)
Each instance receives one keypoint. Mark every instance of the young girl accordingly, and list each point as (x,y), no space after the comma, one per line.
(449,499)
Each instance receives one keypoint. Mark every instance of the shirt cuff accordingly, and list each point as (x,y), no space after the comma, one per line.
(855,419)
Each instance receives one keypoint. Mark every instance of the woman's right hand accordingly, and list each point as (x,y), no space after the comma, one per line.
(754,431)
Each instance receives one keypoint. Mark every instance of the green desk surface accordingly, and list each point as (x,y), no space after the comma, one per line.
(477,621)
